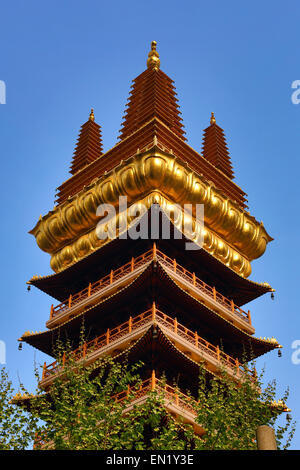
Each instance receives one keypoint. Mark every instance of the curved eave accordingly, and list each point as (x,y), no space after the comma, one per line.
(59,285)
(44,341)
(165,353)
(230,331)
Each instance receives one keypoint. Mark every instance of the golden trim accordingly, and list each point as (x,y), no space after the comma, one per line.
(153,61)
(136,178)
(95,239)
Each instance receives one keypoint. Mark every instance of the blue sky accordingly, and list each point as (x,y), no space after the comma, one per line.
(59,59)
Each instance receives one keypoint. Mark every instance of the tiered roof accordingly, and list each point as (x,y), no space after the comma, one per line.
(89,145)
(154,284)
(215,149)
(152,113)
(153,95)
(118,251)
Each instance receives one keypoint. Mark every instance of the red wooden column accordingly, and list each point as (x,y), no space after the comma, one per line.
(153,311)
(153,380)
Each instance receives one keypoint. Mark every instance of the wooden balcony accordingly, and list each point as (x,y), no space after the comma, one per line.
(175,402)
(107,285)
(119,339)
(206,294)
(121,276)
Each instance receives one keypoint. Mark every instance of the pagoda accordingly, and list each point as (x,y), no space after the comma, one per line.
(149,297)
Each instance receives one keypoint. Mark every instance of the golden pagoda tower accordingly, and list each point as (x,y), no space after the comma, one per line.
(150,297)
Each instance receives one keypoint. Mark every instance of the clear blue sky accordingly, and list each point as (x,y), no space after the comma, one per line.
(59,59)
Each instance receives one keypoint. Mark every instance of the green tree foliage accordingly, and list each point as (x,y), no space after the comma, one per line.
(17,427)
(81,411)
(231,411)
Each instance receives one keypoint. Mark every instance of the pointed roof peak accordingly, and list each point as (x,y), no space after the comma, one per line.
(92,117)
(152,96)
(215,148)
(153,61)
(89,145)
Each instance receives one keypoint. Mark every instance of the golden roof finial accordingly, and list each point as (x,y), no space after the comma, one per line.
(212,118)
(153,61)
(92,117)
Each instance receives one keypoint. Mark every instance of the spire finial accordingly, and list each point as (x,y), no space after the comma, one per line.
(92,117)
(212,118)
(153,61)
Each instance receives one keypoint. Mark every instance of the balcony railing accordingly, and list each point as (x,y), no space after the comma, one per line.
(105,281)
(196,282)
(171,394)
(149,317)
(135,263)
